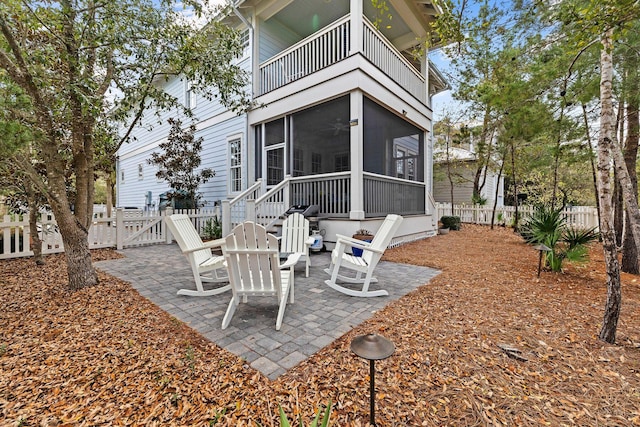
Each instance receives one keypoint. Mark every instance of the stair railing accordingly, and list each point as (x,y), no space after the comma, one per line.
(236,210)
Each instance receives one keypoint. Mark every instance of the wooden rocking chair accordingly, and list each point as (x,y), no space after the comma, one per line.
(203,262)
(371,254)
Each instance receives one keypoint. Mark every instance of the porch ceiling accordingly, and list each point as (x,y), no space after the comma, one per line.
(409,21)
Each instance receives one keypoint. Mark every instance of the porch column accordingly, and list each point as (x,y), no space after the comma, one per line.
(355,10)
(357,153)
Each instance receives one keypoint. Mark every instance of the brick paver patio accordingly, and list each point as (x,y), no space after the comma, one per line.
(318,316)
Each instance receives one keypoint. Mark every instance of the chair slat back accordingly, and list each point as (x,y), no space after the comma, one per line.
(383,237)
(187,236)
(253,260)
(295,230)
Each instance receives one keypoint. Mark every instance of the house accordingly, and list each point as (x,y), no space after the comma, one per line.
(457,169)
(344,123)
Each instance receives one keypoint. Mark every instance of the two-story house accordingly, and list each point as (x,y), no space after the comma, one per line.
(345,119)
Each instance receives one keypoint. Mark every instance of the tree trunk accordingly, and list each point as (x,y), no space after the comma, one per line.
(556,160)
(110,187)
(591,160)
(72,225)
(36,242)
(495,199)
(618,210)
(614,296)
(515,187)
(629,244)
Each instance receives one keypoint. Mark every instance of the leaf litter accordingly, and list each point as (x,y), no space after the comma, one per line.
(485,343)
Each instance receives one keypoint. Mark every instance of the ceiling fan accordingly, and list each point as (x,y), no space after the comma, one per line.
(337,126)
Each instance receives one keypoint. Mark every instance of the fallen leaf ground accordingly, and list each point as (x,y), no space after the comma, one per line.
(484,343)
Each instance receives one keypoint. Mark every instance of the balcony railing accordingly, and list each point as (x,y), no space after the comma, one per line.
(331,45)
(385,194)
(318,51)
(387,58)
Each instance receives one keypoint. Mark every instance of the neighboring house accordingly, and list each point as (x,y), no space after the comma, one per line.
(461,165)
(344,122)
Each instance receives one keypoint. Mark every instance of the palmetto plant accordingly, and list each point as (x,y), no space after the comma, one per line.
(549,227)
(321,419)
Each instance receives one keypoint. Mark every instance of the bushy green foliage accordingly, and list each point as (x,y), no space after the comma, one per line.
(179,161)
(451,222)
(212,228)
(548,226)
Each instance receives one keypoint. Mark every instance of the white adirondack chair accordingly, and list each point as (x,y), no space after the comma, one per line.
(206,267)
(371,254)
(253,261)
(295,238)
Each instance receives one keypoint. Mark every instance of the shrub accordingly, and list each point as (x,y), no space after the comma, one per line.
(547,226)
(212,228)
(451,222)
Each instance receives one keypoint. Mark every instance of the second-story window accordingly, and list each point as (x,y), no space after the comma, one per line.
(244,42)
(190,99)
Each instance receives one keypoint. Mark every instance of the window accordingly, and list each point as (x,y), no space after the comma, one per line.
(190,99)
(122,176)
(405,158)
(140,172)
(298,162)
(235,165)
(244,42)
(342,162)
(316,163)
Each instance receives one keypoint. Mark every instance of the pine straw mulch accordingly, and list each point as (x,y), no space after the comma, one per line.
(484,343)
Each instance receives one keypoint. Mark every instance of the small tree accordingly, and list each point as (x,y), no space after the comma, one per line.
(178,164)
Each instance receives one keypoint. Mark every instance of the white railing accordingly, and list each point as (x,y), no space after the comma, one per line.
(235,211)
(386,57)
(270,206)
(576,216)
(329,191)
(126,228)
(318,51)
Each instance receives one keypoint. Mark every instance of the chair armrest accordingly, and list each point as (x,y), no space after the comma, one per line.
(291,260)
(218,243)
(355,243)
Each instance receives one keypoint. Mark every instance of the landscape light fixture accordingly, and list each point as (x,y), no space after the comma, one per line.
(372,347)
(541,248)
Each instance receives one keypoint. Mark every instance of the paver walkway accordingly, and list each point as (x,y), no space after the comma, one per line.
(318,316)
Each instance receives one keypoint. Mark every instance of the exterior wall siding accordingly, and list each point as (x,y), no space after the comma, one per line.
(274,38)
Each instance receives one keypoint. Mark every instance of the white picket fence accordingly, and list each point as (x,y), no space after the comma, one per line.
(576,216)
(125,228)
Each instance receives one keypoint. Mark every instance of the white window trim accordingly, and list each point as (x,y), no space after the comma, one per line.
(190,97)
(243,155)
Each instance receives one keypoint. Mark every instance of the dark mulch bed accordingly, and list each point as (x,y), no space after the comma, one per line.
(484,343)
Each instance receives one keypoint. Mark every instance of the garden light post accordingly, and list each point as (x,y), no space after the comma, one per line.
(541,248)
(372,347)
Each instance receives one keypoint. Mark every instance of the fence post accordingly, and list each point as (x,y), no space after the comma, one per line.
(226,217)
(119,228)
(167,233)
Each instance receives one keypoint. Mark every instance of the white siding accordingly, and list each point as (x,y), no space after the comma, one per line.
(214,155)
(274,38)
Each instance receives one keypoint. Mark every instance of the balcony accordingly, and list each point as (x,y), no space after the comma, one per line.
(336,43)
